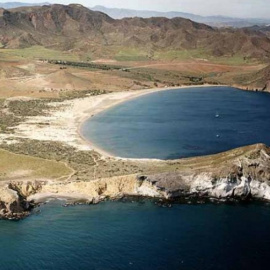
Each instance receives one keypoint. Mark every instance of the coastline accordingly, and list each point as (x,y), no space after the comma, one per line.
(139,93)
(238,175)
(104,176)
(64,120)
(134,95)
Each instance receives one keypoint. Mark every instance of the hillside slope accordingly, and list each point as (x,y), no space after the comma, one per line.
(75,27)
(259,80)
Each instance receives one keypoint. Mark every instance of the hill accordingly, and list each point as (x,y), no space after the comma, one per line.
(262,28)
(66,80)
(261,79)
(256,80)
(77,28)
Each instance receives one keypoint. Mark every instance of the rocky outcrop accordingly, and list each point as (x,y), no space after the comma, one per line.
(13,204)
(240,174)
(18,198)
(241,177)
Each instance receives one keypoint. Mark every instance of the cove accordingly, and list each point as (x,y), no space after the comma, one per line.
(181,123)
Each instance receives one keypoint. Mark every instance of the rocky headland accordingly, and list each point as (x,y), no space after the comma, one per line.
(241,174)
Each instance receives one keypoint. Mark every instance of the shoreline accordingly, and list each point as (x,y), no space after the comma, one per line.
(64,120)
(139,93)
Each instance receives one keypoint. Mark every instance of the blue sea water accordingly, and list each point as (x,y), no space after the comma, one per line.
(182,123)
(141,235)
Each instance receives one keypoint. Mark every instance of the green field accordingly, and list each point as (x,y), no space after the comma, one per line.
(27,167)
(200,54)
(37,52)
(121,54)
(131,54)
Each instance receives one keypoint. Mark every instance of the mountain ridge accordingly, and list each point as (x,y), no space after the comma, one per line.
(75,27)
(217,20)
(9,5)
(119,13)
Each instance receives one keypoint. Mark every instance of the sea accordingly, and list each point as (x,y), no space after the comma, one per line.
(182,123)
(141,234)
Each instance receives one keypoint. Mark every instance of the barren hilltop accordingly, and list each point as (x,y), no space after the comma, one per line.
(77,27)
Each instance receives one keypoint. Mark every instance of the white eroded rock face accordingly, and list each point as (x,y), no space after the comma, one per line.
(224,188)
(95,191)
(239,177)
(260,190)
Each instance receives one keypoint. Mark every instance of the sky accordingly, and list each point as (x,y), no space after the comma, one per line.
(232,8)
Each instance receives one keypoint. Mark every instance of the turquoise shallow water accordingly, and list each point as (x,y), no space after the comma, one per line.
(117,235)
(182,123)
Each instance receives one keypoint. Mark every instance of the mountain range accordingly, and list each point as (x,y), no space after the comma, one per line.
(218,21)
(120,13)
(75,27)
(8,5)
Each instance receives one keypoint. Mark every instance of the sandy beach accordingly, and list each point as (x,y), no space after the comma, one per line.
(64,119)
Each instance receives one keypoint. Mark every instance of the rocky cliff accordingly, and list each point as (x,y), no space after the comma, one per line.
(239,174)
